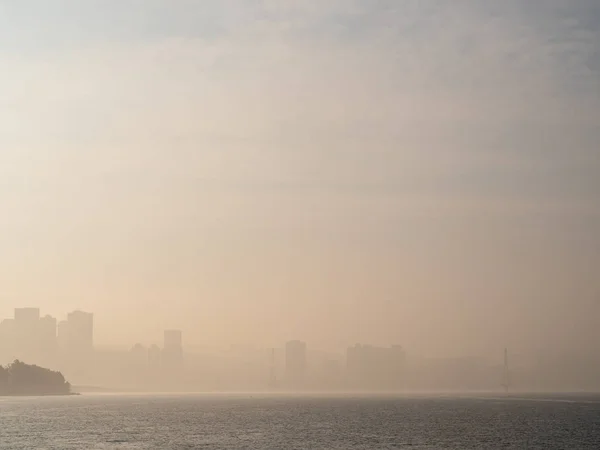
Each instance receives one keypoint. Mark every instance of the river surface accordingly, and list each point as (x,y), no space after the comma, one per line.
(204,421)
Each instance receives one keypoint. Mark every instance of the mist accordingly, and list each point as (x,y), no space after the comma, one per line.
(413,174)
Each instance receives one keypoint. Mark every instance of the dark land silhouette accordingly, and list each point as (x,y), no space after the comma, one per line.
(19,378)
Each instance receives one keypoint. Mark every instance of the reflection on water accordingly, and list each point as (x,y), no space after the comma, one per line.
(139,421)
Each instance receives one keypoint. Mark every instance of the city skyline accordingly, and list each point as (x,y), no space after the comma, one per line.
(292,365)
(170,337)
(36,313)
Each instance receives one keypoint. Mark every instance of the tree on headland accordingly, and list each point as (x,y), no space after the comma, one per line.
(19,378)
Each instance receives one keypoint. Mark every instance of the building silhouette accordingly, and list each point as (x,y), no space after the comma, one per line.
(26,337)
(80,333)
(75,344)
(29,337)
(295,364)
(139,355)
(27,315)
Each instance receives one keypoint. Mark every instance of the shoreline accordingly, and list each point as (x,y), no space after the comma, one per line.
(40,395)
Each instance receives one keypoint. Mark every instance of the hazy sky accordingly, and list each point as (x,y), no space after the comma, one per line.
(424,172)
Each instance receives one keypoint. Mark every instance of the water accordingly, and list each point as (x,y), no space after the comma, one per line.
(284,422)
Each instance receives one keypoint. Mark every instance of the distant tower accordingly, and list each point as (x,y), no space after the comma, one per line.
(78,342)
(506,381)
(80,332)
(27,333)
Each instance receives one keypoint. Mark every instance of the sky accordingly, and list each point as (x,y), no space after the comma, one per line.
(424,173)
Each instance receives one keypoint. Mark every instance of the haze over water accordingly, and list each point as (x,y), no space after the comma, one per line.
(421,178)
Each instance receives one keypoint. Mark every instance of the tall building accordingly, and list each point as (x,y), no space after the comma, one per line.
(76,343)
(32,339)
(173,349)
(27,315)
(295,363)
(139,355)
(27,334)
(80,332)
(47,330)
